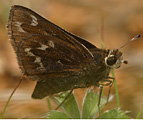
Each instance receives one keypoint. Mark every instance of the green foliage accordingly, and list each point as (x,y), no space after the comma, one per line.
(70,106)
(57,115)
(114,114)
(89,108)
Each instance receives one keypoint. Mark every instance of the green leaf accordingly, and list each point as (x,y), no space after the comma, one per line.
(116,89)
(138,115)
(57,115)
(114,114)
(70,106)
(90,108)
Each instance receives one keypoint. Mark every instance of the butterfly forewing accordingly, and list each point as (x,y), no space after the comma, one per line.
(42,47)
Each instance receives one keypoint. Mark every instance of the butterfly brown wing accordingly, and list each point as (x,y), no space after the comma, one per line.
(45,51)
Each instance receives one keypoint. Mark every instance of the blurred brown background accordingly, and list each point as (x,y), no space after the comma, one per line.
(120,20)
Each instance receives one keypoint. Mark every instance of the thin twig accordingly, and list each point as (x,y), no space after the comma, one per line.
(3,112)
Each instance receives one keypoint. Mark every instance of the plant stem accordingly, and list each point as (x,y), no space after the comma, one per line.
(116,90)
(49,103)
(2,115)
(138,115)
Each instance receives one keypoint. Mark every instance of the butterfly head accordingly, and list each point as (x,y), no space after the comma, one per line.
(114,59)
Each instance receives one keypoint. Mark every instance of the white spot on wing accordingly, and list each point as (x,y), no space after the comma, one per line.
(18,25)
(34,21)
(38,60)
(59,62)
(27,50)
(43,47)
(51,44)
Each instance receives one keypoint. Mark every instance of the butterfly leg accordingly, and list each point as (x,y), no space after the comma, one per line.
(99,99)
(108,83)
(64,99)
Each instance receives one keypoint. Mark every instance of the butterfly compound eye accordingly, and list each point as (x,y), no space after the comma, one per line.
(111,60)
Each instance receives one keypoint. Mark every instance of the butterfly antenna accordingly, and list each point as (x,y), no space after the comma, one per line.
(134,38)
